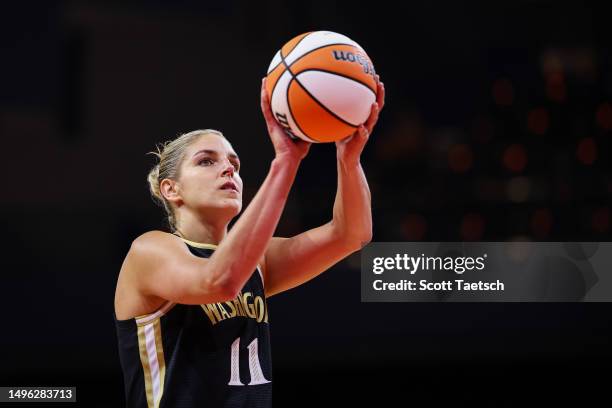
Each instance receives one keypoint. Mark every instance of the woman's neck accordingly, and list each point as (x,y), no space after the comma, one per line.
(202,231)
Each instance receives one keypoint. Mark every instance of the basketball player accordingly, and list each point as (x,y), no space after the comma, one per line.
(190,306)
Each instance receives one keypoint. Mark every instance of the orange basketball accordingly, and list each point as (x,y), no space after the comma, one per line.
(321,86)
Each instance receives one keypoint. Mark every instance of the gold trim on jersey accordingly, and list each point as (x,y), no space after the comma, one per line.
(150,317)
(153,362)
(146,369)
(199,244)
(160,358)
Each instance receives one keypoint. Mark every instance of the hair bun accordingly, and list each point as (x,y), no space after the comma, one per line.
(153,178)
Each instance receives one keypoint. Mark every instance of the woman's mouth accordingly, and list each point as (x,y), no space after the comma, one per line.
(229,186)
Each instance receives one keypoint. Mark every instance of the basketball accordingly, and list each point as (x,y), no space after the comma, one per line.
(321,86)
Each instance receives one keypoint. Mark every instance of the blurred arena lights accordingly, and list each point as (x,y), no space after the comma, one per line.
(514,158)
(600,220)
(604,116)
(472,227)
(538,121)
(503,92)
(555,87)
(482,129)
(518,189)
(541,223)
(414,227)
(460,158)
(587,151)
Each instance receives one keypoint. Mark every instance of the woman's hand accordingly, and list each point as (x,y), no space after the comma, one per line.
(284,146)
(349,149)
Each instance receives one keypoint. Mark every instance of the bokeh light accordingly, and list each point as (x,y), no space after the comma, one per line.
(551,62)
(587,151)
(483,129)
(555,87)
(460,158)
(600,220)
(503,92)
(564,191)
(414,227)
(514,158)
(604,116)
(472,227)
(541,223)
(518,189)
(538,121)
(404,140)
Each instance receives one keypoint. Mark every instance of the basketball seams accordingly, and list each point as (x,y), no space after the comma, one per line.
(293,77)
(282,61)
(335,41)
(317,49)
(279,62)
(322,105)
(287,92)
(282,57)
(290,114)
(338,74)
(289,105)
(296,44)
(279,78)
(276,66)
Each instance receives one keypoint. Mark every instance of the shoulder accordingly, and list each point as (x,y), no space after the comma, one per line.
(155,243)
(154,238)
(152,249)
(144,253)
(145,247)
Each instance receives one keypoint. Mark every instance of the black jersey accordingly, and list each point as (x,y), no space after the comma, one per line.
(212,355)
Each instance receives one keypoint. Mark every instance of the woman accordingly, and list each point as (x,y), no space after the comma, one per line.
(190,309)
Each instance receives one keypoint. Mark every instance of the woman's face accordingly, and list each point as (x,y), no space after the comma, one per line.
(209,182)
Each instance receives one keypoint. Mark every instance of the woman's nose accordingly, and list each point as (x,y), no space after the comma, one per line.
(229,169)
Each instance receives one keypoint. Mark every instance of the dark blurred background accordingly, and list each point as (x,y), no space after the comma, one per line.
(498,126)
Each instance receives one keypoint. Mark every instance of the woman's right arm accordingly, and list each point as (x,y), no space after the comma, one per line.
(173,273)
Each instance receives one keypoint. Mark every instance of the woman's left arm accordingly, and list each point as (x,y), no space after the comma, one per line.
(289,262)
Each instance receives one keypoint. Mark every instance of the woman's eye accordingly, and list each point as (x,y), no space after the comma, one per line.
(208,161)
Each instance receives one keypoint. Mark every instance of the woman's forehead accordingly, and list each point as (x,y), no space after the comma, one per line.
(211,141)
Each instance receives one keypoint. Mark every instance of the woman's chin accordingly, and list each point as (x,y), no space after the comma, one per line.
(227,208)
(231,206)
(237,207)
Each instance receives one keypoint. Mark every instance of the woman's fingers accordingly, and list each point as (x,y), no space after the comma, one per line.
(369,124)
(265,103)
(376,106)
(363,132)
(380,95)
(360,137)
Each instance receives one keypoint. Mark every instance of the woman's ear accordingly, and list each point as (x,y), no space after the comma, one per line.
(170,189)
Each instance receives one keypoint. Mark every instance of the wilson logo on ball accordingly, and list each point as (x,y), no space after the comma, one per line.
(358,58)
(282,120)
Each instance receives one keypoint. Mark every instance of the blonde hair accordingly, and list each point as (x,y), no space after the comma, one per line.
(170,155)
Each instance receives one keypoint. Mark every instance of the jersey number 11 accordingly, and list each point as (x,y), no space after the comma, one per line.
(257,376)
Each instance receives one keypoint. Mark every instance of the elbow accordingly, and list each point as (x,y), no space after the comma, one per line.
(353,238)
(358,241)
(365,237)
(221,290)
